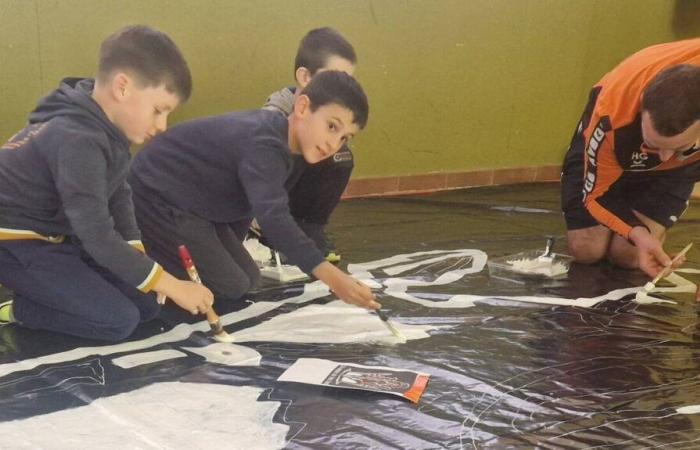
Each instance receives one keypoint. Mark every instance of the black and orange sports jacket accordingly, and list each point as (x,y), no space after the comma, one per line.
(613,135)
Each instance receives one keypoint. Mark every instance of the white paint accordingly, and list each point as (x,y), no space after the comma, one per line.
(259,252)
(643,298)
(691,409)
(223,337)
(284,273)
(160,416)
(680,285)
(227,354)
(139,359)
(395,287)
(335,322)
(536,266)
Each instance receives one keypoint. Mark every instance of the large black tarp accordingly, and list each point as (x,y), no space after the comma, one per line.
(504,373)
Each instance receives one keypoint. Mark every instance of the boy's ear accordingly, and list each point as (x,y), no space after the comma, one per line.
(120,86)
(303,76)
(302,105)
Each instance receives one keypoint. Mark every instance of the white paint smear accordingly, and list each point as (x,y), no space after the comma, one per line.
(139,359)
(535,266)
(691,409)
(335,322)
(160,416)
(227,354)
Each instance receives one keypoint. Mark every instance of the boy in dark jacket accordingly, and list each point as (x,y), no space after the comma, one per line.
(69,245)
(315,190)
(203,181)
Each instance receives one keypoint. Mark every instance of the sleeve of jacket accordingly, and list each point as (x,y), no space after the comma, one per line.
(262,173)
(601,171)
(122,209)
(80,174)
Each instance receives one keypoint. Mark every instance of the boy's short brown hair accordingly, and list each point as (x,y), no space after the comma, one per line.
(320,44)
(335,87)
(149,55)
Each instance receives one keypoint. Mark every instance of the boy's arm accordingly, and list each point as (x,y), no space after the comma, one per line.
(121,207)
(346,287)
(80,175)
(262,173)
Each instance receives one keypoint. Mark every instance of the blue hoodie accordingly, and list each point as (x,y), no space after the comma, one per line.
(64,174)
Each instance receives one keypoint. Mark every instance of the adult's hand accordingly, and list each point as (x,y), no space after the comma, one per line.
(651,256)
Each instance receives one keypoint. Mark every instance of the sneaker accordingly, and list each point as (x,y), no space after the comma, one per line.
(333,257)
(328,248)
(6,315)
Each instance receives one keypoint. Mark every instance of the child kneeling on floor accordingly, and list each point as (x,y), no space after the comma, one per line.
(70,249)
(203,181)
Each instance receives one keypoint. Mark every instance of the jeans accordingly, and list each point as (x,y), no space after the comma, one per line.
(59,287)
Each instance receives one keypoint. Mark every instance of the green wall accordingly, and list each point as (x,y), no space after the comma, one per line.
(453,84)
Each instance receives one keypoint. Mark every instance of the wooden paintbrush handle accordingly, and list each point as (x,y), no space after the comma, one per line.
(667,270)
(188,264)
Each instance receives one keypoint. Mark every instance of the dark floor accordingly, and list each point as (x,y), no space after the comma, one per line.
(504,374)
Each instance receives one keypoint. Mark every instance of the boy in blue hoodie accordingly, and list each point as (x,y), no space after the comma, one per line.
(70,249)
(203,181)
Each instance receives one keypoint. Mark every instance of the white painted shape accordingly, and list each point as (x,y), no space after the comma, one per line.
(691,409)
(179,333)
(538,266)
(396,287)
(139,359)
(227,354)
(642,297)
(335,322)
(409,257)
(159,416)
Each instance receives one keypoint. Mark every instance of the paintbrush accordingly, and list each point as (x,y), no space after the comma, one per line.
(666,270)
(392,328)
(214,321)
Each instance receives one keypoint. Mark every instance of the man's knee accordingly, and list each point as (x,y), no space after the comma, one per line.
(622,253)
(587,248)
(585,253)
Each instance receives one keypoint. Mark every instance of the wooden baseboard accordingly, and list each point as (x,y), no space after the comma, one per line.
(443,181)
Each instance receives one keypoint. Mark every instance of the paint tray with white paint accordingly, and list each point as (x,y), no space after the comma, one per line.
(283,273)
(531,264)
(403,383)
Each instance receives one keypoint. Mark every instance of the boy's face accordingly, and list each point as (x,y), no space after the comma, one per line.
(321,133)
(143,113)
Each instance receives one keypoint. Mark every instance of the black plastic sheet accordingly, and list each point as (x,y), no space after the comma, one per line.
(504,373)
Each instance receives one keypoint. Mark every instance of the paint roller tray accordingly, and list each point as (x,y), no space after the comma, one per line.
(529,264)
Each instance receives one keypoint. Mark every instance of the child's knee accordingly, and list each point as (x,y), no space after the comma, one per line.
(233,290)
(121,325)
(253,278)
